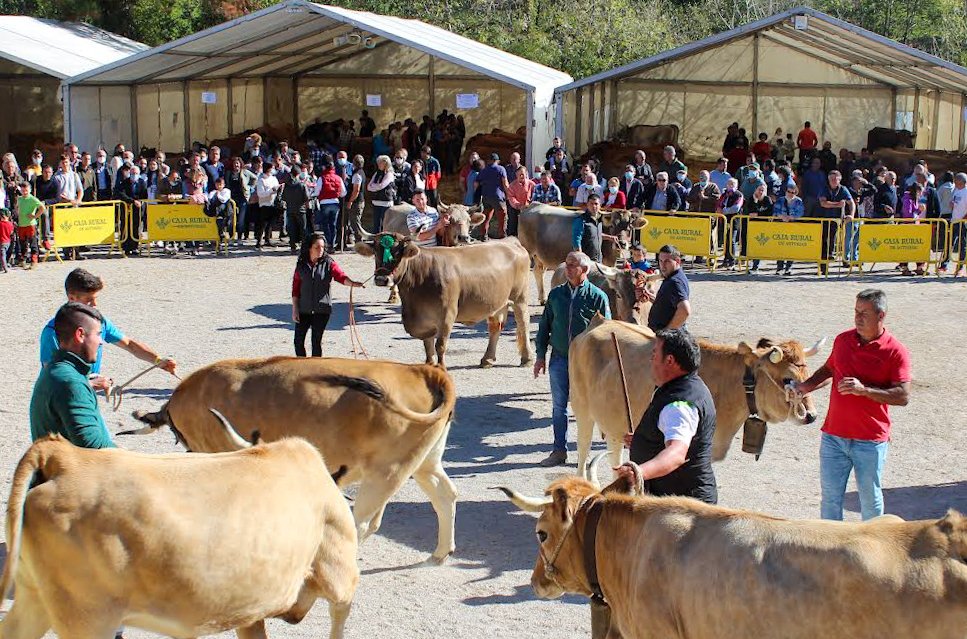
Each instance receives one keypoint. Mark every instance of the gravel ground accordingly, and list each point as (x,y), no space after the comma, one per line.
(206,309)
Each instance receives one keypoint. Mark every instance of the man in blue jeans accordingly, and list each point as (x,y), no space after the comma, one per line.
(870,371)
(569,309)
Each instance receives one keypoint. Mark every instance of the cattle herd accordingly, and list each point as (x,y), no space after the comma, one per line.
(172,543)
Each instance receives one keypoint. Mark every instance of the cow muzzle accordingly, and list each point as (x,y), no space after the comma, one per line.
(381,280)
(810,417)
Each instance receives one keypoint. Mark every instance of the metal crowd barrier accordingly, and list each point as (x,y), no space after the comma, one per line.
(958,243)
(87,224)
(895,240)
(179,221)
(807,239)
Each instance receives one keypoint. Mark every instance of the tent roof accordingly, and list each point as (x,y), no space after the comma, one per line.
(61,49)
(840,43)
(296,37)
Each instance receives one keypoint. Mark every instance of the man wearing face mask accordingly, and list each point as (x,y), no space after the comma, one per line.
(632,187)
(102,176)
(704,195)
(751,181)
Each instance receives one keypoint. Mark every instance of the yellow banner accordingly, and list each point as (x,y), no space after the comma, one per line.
(784,240)
(690,235)
(895,242)
(180,223)
(83,226)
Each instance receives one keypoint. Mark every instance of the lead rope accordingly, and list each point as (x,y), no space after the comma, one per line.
(795,400)
(355,340)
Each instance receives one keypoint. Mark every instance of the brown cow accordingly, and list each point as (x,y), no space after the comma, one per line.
(546,232)
(457,233)
(384,421)
(619,285)
(440,286)
(676,567)
(597,396)
(179,545)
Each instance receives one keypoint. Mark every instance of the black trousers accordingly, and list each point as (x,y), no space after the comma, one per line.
(317,322)
(267,215)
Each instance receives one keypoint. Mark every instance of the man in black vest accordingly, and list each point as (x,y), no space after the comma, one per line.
(587,229)
(673,443)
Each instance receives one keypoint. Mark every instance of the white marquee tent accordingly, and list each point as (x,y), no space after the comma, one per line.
(297,62)
(777,72)
(35,56)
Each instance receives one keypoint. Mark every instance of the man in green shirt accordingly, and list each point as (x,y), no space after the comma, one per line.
(570,308)
(29,208)
(63,401)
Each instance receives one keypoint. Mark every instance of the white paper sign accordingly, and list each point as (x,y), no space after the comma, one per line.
(374,100)
(209,97)
(468,100)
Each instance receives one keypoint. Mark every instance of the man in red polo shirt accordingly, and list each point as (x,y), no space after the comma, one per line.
(870,371)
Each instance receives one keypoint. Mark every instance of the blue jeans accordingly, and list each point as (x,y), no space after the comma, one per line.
(241,220)
(327,217)
(560,390)
(851,250)
(837,457)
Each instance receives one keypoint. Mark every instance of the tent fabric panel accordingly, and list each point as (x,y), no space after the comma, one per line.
(652,103)
(9,67)
(709,111)
(149,115)
(248,105)
(779,63)
(948,119)
(172,116)
(731,62)
(116,116)
(85,130)
(279,104)
(569,113)
(388,59)
(851,114)
(445,67)
(242,30)
(787,108)
(331,99)
(208,121)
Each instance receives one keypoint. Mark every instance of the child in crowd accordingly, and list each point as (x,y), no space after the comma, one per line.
(29,209)
(219,207)
(6,234)
(639,260)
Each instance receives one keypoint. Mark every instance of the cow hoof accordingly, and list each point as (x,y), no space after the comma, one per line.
(541,302)
(526,362)
(486,363)
(437,560)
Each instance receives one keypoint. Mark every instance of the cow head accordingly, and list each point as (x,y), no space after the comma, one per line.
(391,250)
(562,510)
(462,219)
(621,224)
(774,366)
(622,282)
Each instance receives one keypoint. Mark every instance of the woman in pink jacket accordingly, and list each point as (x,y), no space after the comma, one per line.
(518,196)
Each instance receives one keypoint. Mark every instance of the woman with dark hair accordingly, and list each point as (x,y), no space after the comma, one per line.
(311,303)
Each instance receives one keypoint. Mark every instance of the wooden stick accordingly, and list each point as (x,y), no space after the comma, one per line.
(624,382)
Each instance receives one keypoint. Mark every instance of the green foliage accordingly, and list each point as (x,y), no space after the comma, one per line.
(581,37)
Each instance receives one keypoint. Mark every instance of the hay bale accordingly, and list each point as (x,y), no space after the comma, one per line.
(497,141)
(898,160)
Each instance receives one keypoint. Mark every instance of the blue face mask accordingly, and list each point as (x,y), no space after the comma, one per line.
(613,189)
(342,162)
(629,175)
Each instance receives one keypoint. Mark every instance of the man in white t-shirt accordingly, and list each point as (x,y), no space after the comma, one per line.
(424,222)
(958,204)
(583,191)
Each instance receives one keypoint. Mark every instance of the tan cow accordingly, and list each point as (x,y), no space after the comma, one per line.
(545,231)
(180,545)
(384,421)
(597,396)
(440,286)
(674,567)
(619,285)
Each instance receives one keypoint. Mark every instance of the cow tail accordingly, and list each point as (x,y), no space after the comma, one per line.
(445,394)
(24,477)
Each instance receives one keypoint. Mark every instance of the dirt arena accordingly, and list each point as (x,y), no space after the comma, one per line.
(206,309)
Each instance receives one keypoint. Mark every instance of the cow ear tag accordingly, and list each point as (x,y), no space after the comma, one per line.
(387,242)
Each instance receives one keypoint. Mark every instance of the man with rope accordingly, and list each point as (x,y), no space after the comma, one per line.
(673,442)
(83,287)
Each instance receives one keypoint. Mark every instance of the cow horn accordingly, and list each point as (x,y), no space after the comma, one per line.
(775,355)
(238,442)
(594,468)
(365,235)
(607,271)
(527,504)
(812,350)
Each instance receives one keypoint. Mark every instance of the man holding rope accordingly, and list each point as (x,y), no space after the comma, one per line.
(83,287)
(672,446)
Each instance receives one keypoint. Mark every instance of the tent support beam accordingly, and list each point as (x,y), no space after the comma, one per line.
(231,108)
(133,94)
(893,108)
(313,65)
(592,103)
(762,85)
(755,85)
(578,121)
(603,109)
(960,138)
(295,102)
(186,104)
(431,85)
(916,114)
(614,108)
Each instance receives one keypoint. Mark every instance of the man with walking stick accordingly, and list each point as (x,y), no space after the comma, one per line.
(570,308)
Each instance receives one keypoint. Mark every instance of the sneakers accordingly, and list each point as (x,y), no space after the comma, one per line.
(556,458)
(787,272)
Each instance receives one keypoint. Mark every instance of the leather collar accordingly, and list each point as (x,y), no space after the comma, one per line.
(590,558)
(748,383)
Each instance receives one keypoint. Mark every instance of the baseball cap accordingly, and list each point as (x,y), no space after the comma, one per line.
(495,157)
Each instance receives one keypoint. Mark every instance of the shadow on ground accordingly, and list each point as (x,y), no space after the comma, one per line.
(918,502)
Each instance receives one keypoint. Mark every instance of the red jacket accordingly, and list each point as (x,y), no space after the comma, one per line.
(620,201)
(330,185)
(6,231)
